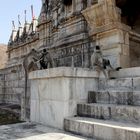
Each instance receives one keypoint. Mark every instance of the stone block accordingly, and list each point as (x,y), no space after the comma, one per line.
(113,50)
(136,98)
(123,98)
(51,112)
(54,89)
(124,61)
(136,84)
(1,91)
(126,73)
(99,129)
(34,107)
(122,84)
(34,90)
(110,37)
(96,19)
(119,113)
(58,91)
(21,83)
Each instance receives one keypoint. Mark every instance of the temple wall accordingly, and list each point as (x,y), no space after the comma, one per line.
(71,44)
(12,85)
(68,44)
(17,53)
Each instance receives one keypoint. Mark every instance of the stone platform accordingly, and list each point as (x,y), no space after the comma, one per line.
(113,111)
(107,120)
(30,131)
(126,73)
(84,103)
(56,92)
(101,129)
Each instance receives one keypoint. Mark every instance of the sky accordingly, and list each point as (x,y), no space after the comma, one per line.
(9,11)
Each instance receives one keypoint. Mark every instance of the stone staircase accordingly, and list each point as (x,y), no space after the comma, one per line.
(111,113)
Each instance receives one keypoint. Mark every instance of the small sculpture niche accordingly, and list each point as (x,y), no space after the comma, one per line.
(67,2)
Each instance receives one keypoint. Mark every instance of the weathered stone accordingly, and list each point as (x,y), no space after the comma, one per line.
(126,73)
(107,130)
(30,131)
(70,38)
(116,97)
(57,88)
(120,113)
(122,84)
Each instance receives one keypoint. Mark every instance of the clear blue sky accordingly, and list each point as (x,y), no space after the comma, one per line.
(9,10)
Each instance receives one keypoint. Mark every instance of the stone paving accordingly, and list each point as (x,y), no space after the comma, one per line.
(30,131)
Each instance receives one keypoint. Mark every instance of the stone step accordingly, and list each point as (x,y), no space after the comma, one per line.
(115,97)
(110,112)
(120,84)
(126,72)
(102,129)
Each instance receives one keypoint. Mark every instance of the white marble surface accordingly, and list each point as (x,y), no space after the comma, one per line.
(56,92)
(125,73)
(120,113)
(103,129)
(121,84)
(63,72)
(29,131)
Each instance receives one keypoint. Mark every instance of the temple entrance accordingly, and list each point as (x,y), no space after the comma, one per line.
(131,16)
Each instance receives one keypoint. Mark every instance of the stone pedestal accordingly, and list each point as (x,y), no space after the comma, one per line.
(56,92)
(104,19)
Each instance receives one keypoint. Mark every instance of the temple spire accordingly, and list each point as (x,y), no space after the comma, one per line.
(25,16)
(19,23)
(32,11)
(13,25)
(13,34)
(20,29)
